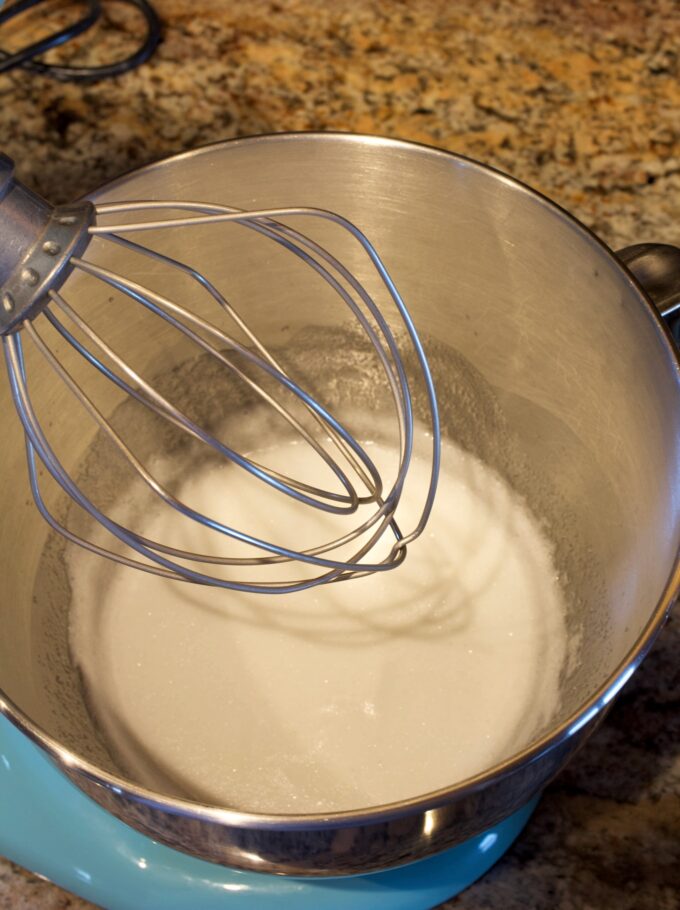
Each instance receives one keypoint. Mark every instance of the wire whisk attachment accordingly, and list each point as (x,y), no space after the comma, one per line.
(44,245)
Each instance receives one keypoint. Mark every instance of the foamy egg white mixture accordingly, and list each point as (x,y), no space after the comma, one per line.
(344,696)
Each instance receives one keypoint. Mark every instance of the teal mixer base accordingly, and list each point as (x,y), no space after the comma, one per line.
(48,826)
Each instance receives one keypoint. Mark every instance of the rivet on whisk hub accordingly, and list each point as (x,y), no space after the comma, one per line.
(30,277)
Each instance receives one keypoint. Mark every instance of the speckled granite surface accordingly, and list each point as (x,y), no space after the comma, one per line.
(581,100)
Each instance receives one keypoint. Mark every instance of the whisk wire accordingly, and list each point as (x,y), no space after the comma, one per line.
(335,438)
(281,234)
(385,511)
(263,220)
(149,396)
(150,549)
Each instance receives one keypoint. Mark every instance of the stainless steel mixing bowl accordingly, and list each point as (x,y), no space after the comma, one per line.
(571,391)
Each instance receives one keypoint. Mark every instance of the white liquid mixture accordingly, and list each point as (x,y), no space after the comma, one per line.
(344,696)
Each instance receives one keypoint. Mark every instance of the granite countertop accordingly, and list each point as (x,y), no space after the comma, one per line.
(579,99)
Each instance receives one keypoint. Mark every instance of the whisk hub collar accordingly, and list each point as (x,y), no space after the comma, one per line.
(37,243)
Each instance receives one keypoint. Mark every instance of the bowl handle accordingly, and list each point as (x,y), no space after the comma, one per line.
(657,267)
